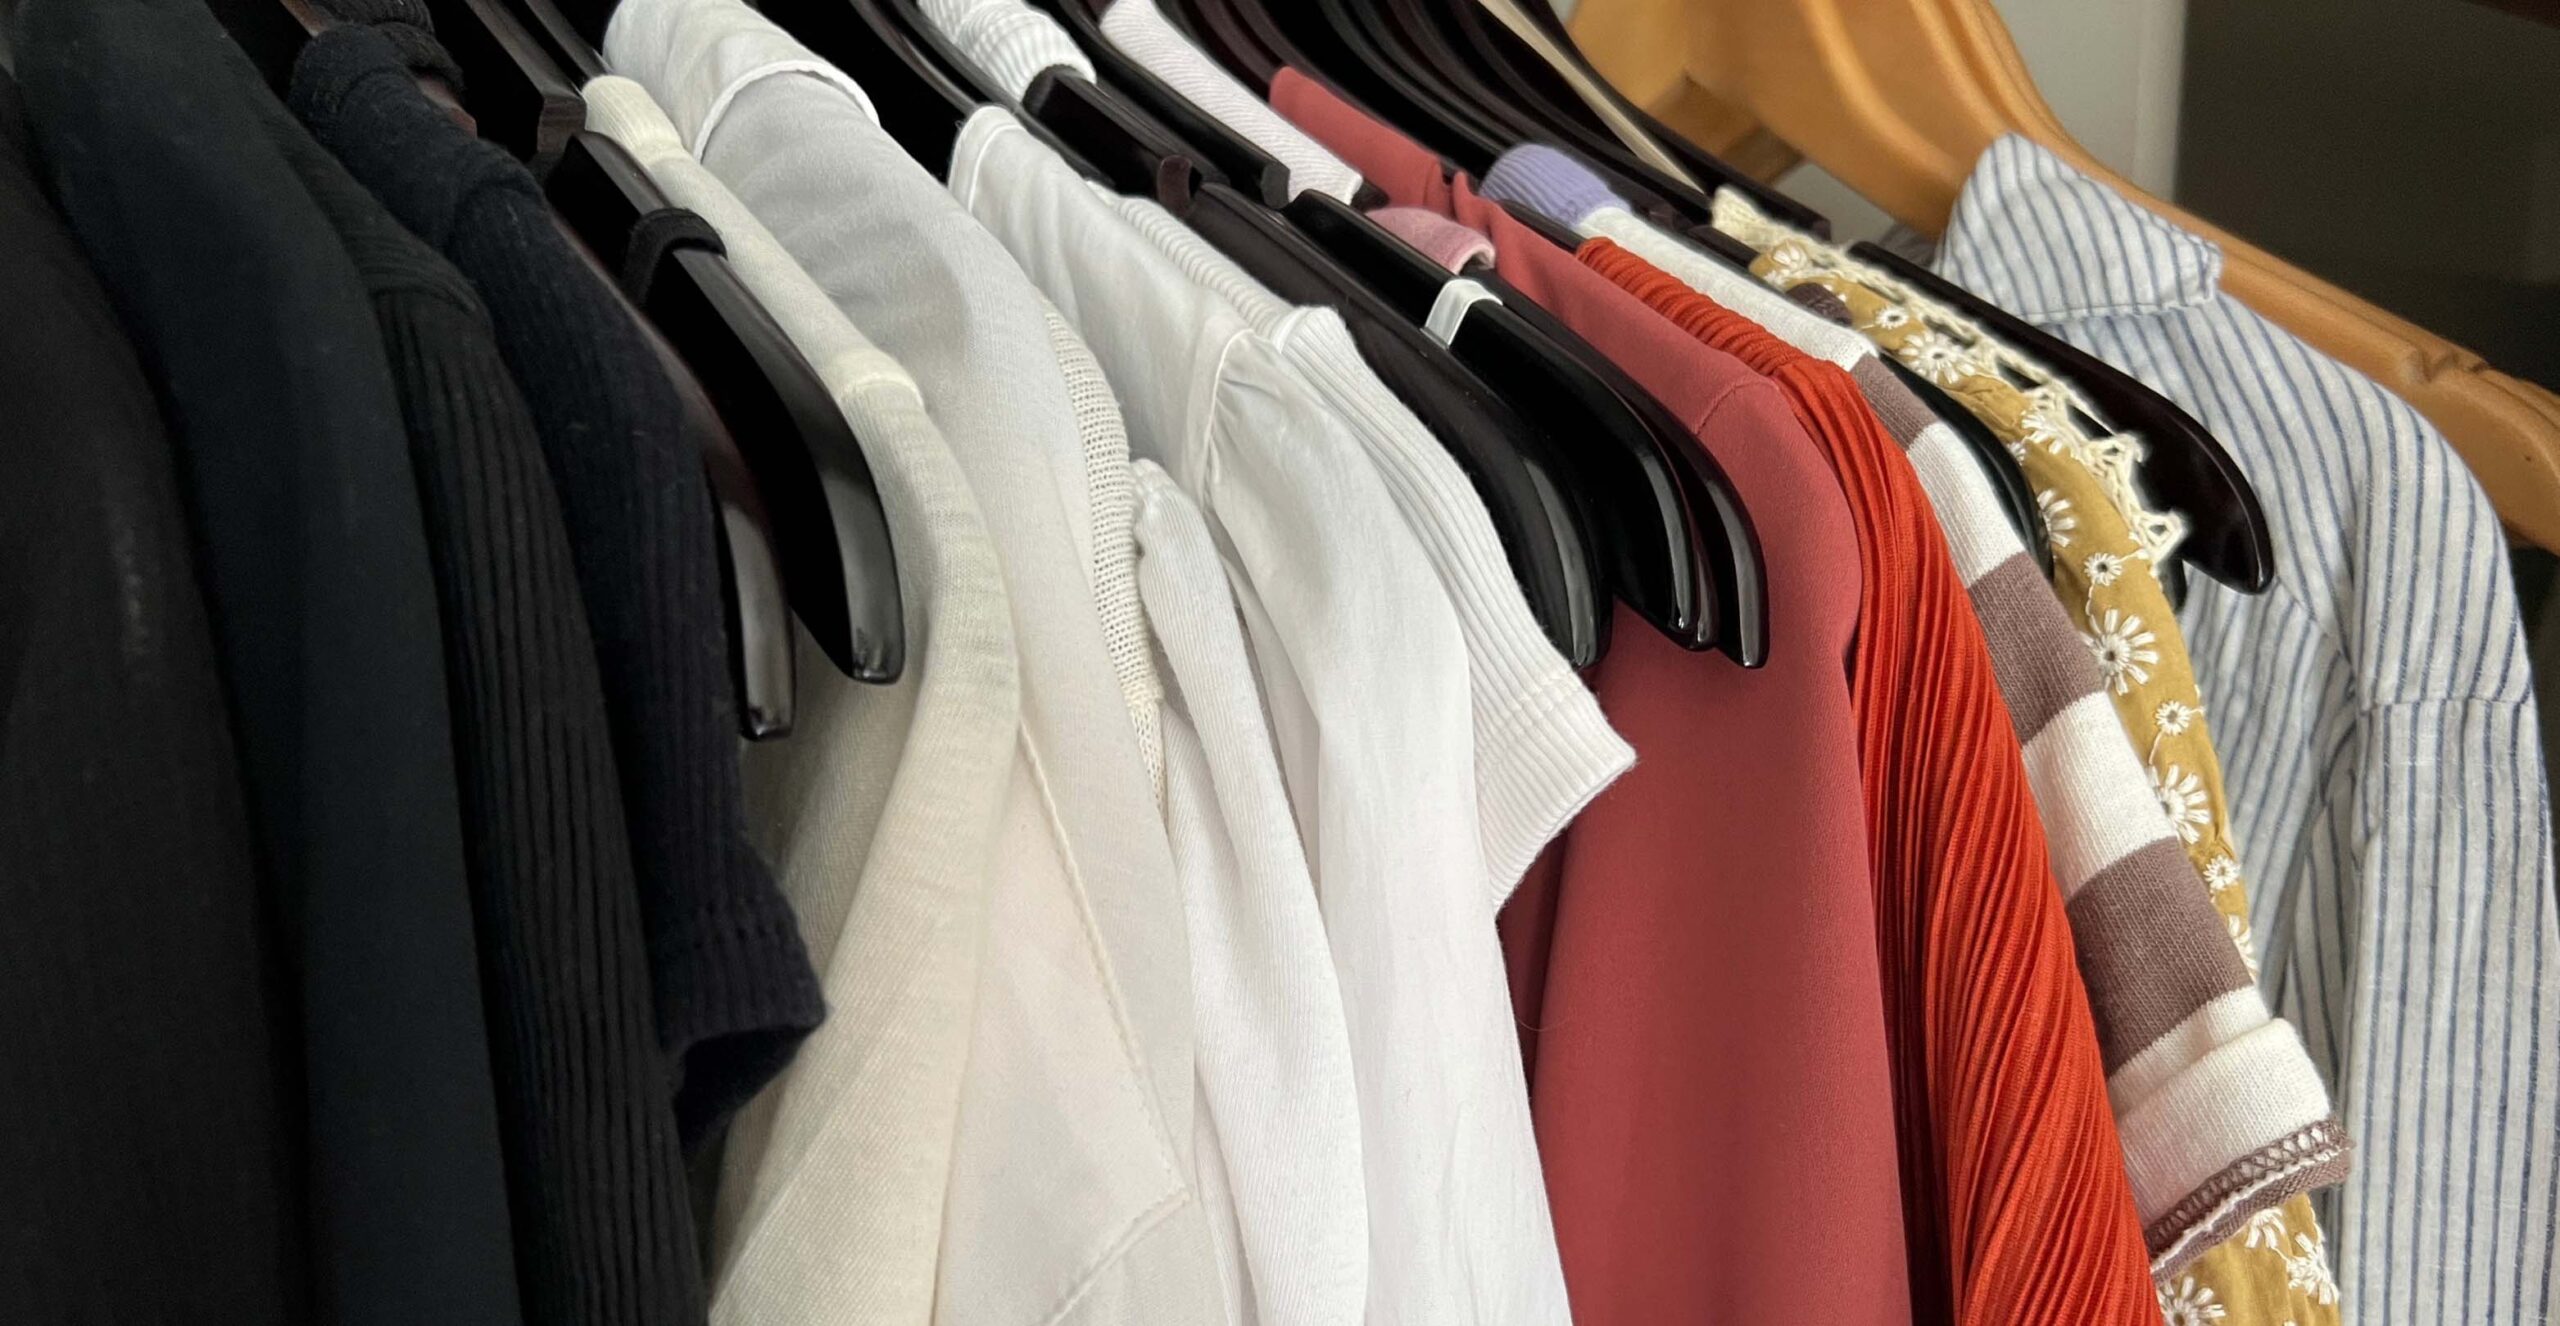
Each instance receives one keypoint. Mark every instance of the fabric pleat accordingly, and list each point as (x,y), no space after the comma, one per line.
(2016,1200)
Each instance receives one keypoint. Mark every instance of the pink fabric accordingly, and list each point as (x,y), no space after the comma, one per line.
(1709,1068)
(1440,239)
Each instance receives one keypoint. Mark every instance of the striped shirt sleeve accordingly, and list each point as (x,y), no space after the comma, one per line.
(2220,1110)
(2378,729)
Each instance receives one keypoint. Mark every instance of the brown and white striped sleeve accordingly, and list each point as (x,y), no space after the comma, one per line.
(2206,1083)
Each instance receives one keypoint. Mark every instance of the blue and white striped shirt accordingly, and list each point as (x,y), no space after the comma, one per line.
(2376,721)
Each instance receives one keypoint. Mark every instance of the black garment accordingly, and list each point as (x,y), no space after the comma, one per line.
(735,992)
(603,1225)
(411,27)
(144,1132)
(253,325)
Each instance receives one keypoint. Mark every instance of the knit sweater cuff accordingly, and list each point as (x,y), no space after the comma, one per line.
(2240,1130)
(1547,182)
(1543,748)
(409,27)
(1537,767)
(1443,241)
(734,1003)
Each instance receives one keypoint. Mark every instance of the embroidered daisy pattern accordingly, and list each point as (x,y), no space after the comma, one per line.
(2058,520)
(2273,1271)
(2123,650)
(1939,358)
(2189,1304)
(2044,423)
(2182,800)
(2308,1270)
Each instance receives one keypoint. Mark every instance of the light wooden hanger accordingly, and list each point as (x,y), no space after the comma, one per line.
(1898,97)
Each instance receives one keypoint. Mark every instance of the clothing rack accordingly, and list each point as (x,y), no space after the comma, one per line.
(1899,97)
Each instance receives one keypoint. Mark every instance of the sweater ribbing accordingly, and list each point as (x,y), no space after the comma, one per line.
(733,987)
(2019,1209)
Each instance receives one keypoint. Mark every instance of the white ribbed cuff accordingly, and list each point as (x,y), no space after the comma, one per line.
(2243,1097)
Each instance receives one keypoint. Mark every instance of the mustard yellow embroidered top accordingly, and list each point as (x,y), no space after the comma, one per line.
(2107,545)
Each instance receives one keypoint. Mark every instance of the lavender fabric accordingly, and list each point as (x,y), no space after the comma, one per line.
(1548,182)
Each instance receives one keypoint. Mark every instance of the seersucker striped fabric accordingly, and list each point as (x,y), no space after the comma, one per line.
(2219,1109)
(2378,724)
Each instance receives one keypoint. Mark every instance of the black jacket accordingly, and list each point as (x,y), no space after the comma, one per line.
(145,1054)
(256,329)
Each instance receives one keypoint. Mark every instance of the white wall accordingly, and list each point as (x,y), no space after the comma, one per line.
(2110,69)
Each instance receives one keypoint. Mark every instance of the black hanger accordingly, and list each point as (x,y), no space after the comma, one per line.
(832,533)
(1739,603)
(270,32)
(514,86)
(1407,23)
(1452,36)
(1335,33)
(1224,34)
(1203,137)
(1680,554)
(1545,530)
(1541,87)
(1363,52)
(2185,469)
(2008,481)
(919,104)
(1411,38)
(833,529)
(1652,539)
(1370,35)
(1114,141)
(798,508)
(1991,456)
(1255,42)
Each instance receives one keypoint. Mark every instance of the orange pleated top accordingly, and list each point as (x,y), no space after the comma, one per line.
(2017,1205)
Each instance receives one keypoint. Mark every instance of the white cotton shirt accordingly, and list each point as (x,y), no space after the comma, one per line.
(1143,34)
(1279,1123)
(1364,673)
(1109,539)
(1543,748)
(1069,1193)
(1008,40)
(880,815)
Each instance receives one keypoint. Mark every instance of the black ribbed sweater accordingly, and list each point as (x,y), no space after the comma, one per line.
(734,990)
(596,1181)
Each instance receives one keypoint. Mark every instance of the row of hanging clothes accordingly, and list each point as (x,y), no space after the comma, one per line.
(1202,661)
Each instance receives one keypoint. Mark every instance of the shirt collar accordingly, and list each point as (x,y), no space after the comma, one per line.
(2048,243)
(697,56)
